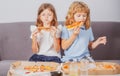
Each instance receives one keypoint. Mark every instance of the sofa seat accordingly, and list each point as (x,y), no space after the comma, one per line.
(4,66)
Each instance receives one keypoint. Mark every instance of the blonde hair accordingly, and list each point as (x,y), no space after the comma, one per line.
(41,9)
(76,7)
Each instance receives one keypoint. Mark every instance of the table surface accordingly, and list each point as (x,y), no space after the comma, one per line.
(115,61)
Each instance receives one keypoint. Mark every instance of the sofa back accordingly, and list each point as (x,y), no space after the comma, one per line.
(112,49)
(15,42)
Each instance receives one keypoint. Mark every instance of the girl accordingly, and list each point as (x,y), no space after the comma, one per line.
(77,35)
(45,38)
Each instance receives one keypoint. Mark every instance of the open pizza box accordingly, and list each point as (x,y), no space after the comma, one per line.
(26,68)
(102,68)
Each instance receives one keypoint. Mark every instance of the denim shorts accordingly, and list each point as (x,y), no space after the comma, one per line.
(36,57)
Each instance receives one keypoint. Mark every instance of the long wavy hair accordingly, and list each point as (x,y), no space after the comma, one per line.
(78,7)
(44,6)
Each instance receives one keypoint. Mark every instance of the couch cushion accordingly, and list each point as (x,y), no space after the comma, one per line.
(4,67)
(15,43)
(111,51)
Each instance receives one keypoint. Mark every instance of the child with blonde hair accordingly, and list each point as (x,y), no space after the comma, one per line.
(77,36)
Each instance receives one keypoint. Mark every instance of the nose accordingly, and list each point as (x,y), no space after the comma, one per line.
(46,16)
(82,17)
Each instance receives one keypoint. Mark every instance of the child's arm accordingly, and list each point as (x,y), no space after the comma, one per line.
(94,44)
(56,40)
(66,43)
(57,44)
(35,45)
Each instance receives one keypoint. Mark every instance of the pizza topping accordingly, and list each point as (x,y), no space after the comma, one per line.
(41,68)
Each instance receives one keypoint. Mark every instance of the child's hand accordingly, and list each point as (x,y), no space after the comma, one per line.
(101,40)
(76,30)
(53,31)
(34,33)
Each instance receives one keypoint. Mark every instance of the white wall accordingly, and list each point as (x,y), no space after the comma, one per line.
(26,10)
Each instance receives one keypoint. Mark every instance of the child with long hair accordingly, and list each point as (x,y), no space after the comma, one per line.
(77,36)
(46,36)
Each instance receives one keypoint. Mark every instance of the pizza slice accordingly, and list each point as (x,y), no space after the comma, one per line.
(74,25)
(43,28)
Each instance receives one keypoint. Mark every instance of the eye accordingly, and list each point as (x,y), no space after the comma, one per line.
(43,14)
(49,14)
(84,15)
(78,15)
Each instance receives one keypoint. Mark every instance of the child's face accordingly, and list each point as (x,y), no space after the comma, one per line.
(46,16)
(80,17)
